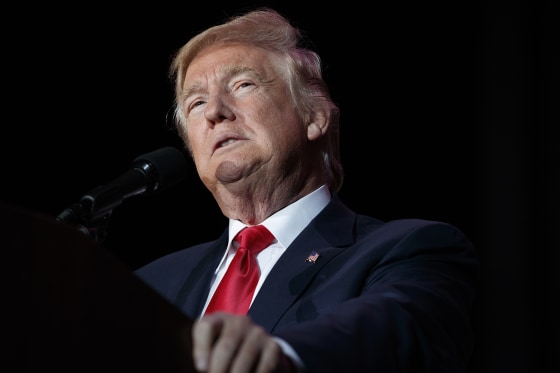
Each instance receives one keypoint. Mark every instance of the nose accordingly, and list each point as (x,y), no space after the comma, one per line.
(218,109)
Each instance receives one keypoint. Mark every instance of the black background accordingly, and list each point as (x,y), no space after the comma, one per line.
(449,112)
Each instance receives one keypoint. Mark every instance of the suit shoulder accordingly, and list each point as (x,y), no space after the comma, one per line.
(182,258)
(418,231)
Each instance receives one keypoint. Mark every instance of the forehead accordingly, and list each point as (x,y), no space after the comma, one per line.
(223,57)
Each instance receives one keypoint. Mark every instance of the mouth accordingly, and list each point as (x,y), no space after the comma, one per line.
(225,143)
(225,140)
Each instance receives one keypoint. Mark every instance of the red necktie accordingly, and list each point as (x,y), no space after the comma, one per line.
(235,291)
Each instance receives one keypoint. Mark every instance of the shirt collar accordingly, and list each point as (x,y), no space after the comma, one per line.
(287,223)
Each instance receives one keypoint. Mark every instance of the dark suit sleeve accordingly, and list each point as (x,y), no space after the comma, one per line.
(411,311)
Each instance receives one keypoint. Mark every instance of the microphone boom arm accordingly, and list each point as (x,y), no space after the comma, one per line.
(149,173)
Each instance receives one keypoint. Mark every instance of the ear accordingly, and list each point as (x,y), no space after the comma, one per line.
(318,125)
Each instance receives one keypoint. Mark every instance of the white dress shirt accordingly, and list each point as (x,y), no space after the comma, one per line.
(285,225)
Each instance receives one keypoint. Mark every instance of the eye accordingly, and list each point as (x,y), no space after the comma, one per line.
(194,104)
(197,103)
(242,85)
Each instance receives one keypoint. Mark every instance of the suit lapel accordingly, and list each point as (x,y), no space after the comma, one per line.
(193,294)
(327,235)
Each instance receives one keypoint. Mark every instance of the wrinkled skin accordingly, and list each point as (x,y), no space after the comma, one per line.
(255,155)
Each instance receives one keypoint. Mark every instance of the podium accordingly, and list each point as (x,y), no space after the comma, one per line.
(68,305)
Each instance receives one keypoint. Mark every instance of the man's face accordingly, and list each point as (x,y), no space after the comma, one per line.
(242,126)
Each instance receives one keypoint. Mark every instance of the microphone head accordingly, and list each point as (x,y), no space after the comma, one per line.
(163,168)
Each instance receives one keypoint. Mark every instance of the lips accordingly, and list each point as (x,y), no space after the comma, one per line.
(225,139)
(227,142)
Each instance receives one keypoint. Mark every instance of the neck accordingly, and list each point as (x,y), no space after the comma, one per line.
(252,207)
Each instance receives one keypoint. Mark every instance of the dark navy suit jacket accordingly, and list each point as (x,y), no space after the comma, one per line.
(381,296)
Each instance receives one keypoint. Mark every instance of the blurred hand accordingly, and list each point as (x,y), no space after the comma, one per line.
(229,343)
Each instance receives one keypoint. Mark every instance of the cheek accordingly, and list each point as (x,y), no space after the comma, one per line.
(181,131)
(288,124)
(195,141)
(287,140)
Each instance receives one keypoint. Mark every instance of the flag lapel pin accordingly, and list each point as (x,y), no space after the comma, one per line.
(312,258)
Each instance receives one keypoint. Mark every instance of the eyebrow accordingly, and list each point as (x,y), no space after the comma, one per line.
(238,70)
(227,71)
(192,89)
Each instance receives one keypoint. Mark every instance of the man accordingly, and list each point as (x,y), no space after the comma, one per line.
(337,291)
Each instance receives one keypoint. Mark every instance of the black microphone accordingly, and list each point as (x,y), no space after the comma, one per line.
(149,173)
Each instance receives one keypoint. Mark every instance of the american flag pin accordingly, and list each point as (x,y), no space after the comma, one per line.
(312,258)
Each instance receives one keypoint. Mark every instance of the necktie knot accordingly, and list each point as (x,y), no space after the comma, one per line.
(254,238)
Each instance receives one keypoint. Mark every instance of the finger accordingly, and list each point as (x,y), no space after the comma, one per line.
(216,341)
(272,358)
(257,353)
(228,342)
(204,333)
